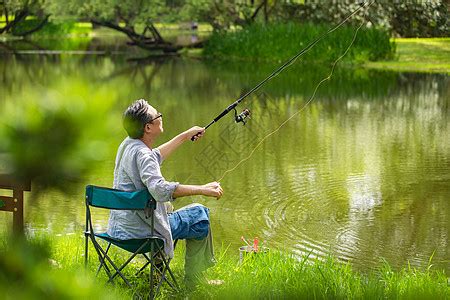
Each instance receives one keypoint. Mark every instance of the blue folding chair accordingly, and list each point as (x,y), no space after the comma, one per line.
(152,247)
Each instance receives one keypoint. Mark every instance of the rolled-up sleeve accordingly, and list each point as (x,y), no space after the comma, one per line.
(148,163)
(158,155)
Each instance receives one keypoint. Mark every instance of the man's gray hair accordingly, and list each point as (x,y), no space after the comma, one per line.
(135,118)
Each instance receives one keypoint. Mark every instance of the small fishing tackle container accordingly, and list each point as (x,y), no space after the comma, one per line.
(245,251)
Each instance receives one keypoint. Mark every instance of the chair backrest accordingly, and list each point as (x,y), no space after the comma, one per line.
(116,199)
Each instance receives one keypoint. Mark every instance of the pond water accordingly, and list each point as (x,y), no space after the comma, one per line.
(362,172)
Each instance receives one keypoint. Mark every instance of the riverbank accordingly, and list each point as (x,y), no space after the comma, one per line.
(429,55)
(425,55)
(265,275)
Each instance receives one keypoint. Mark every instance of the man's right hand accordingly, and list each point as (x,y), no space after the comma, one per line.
(212,189)
(194,133)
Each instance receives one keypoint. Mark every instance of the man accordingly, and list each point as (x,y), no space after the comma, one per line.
(138,166)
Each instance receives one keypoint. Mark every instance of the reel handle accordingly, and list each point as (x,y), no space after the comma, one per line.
(195,135)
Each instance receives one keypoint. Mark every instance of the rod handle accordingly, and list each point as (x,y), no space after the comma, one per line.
(193,137)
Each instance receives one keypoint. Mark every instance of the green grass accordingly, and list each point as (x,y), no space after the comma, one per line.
(270,275)
(418,55)
(280,275)
(279,42)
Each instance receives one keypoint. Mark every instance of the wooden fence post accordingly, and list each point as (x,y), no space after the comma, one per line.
(14,204)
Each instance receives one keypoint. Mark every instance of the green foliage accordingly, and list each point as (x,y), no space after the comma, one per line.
(279,42)
(132,12)
(27,272)
(134,19)
(224,15)
(54,137)
(56,29)
(22,17)
(13,7)
(420,19)
(403,18)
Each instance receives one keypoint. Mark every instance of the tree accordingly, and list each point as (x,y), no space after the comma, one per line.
(403,18)
(134,18)
(222,15)
(23,17)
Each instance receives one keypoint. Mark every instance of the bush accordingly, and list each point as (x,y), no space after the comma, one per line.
(55,137)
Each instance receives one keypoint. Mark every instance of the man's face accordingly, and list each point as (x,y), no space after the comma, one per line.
(156,126)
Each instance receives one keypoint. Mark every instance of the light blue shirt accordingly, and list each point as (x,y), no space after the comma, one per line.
(137,167)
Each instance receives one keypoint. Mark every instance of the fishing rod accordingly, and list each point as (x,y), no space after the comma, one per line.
(246,112)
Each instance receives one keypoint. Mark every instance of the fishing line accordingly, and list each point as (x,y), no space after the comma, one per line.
(302,108)
(279,70)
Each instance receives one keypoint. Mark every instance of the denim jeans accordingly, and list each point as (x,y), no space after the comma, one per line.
(191,223)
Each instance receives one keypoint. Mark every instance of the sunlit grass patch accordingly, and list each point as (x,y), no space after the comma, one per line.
(419,55)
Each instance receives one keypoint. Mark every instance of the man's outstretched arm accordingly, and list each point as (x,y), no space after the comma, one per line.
(167,148)
(212,189)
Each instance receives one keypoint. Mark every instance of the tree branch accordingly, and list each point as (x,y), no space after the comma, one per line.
(126,30)
(255,13)
(38,27)
(140,40)
(6,14)
(19,16)
(155,32)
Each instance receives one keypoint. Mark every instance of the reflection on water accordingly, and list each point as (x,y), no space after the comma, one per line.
(364,193)
(361,173)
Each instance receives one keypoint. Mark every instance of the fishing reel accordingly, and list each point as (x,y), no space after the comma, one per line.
(242,116)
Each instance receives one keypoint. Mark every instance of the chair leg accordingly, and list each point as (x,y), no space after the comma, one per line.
(160,269)
(152,296)
(85,250)
(125,263)
(102,262)
(105,256)
(166,267)
(144,266)
(101,257)
(155,250)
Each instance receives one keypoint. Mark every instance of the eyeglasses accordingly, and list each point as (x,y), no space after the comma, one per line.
(158,116)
